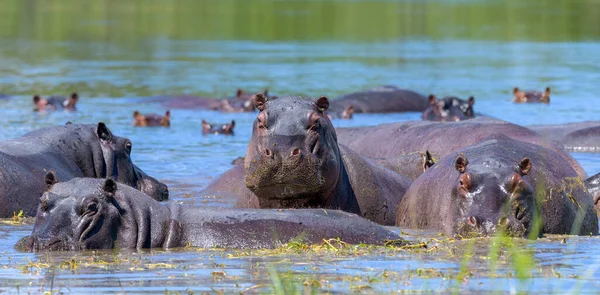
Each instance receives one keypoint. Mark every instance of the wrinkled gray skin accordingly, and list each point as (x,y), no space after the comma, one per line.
(440,139)
(573,137)
(72,150)
(410,165)
(87,213)
(499,183)
(383,99)
(293,161)
(593,186)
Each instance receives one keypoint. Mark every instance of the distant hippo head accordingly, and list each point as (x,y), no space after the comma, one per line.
(531,96)
(492,197)
(293,158)
(225,129)
(118,165)
(71,218)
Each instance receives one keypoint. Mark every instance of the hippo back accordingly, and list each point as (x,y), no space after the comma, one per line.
(573,137)
(383,99)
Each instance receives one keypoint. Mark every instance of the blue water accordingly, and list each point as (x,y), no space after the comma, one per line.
(186,160)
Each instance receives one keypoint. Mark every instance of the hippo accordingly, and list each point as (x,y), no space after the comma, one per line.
(151,119)
(383,99)
(346,114)
(56,102)
(440,139)
(593,186)
(89,213)
(449,108)
(409,165)
(4,95)
(72,150)
(523,189)
(225,129)
(293,160)
(531,96)
(241,102)
(573,137)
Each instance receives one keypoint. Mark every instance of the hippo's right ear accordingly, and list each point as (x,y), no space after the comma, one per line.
(239,93)
(461,163)
(69,123)
(515,90)
(103,132)
(429,161)
(322,103)
(135,114)
(50,179)
(259,101)
(109,187)
(431,99)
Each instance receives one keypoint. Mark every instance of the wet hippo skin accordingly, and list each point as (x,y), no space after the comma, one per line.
(72,150)
(87,213)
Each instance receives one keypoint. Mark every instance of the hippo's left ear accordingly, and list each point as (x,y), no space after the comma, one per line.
(69,123)
(471,101)
(548,90)
(322,103)
(524,166)
(232,124)
(109,187)
(461,163)
(103,132)
(50,179)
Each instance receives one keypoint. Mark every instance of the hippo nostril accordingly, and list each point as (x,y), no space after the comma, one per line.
(472,220)
(268,153)
(503,221)
(296,152)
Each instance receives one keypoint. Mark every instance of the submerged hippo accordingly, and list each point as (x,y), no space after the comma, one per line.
(573,137)
(440,139)
(241,102)
(87,213)
(346,114)
(449,109)
(500,183)
(593,186)
(383,99)
(410,165)
(151,119)
(72,150)
(531,96)
(293,161)
(56,102)
(225,129)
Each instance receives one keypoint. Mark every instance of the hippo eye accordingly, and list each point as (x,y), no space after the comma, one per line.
(128,146)
(91,208)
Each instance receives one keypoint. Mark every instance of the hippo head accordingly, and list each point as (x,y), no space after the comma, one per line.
(293,158)
(72,101)
(225,129)
(116,152)
(68,220)
(492,197)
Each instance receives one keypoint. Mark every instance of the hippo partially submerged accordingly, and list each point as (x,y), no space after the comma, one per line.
(383,99)
(293,161)
(531,96)
(150,120)
(440,139)
(241,102)
(224,129)
(573,137)
(449,109)
(593,186)
(87,213)
(498,183)
(72,150)
(56,102)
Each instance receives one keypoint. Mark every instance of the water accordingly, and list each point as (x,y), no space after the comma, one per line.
(117,54)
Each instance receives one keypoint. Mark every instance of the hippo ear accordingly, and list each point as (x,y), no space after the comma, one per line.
(429,161)
(322,103)
(109,187)
(524,166)
(135,114)
(431,99)
(461,163)
(547,90)
(239,93)
(50,179)
(232,124)
(259,101)
(471,101)
(103,132)
(205,124)
(69,123)
(515,90)
(168,114)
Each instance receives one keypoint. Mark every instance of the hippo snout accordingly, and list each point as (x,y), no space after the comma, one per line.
(35,243)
